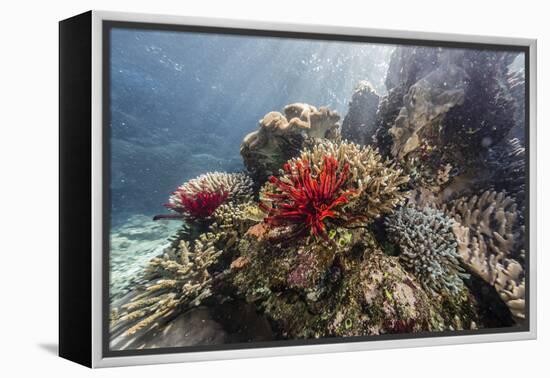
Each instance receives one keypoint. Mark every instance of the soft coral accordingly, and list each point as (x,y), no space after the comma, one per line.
(304,201)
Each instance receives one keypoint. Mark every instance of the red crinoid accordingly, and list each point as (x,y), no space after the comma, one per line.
(196,206)
(305,202)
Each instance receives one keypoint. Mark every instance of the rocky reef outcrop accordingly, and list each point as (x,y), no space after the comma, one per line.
(448,112)
(350,288)
(359,124)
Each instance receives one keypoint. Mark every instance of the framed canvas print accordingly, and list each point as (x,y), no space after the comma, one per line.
(233,189)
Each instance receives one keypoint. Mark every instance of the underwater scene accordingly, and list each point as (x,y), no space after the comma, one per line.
(272,189)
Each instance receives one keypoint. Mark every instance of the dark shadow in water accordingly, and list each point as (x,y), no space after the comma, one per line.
(51,348)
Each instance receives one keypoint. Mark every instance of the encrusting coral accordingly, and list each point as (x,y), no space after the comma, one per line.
(198,198)
(491,243)
(428,248)
(425,104)
(332,184)
(281,137)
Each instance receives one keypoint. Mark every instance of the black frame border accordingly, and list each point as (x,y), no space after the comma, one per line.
(108,25)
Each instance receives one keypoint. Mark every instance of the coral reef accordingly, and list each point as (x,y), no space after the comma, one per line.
(448,108)
(281,136)
(505,167)
(359,123)
(197,206)
(486,115)
(410,221)
(516,83)
(424,105)
(407,66)
(428,248)
(491,243)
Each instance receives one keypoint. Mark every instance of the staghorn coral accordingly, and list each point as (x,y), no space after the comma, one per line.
(377,183)
(182,278)
(428,248)
(198,198)
(491,243)
(305,202)
(281,137)
(176,281)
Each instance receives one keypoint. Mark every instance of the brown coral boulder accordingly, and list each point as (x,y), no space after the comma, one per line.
(281,137)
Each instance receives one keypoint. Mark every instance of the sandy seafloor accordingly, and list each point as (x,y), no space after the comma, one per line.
(133,244)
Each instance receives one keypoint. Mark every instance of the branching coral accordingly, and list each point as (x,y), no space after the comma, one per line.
(177,280)
(281,137)
(336,184)
(182,277)
(428,248)
(198,198)
(377,183)
(306,202)
(491,242)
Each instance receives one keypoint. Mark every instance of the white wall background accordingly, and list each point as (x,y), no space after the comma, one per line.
(28,207)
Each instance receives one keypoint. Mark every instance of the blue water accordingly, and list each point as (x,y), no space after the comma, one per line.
(182,102)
